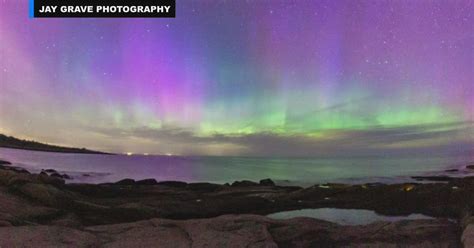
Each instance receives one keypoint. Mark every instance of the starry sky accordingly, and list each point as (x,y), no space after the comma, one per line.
(252,78)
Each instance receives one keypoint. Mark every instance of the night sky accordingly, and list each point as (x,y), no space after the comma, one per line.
(265,78)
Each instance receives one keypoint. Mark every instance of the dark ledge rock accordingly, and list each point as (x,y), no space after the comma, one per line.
(433,178)
(3,162)
(53,213)
(267,182)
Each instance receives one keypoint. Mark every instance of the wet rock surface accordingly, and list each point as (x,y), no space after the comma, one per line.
(54,173)
(179,214)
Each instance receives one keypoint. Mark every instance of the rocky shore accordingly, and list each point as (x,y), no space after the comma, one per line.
(40,210)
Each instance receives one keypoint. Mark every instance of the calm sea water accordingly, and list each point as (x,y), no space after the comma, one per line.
(351,217)
(92,168)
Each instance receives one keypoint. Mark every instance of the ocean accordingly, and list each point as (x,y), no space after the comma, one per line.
(95,168)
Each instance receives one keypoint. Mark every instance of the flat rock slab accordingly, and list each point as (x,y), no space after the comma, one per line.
(468,236)
(237,231)
(45,236)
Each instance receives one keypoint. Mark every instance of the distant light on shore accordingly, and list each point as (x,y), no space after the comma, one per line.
(129,153)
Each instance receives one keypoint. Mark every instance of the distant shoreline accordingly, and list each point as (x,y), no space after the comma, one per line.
(74,150)
(15,143)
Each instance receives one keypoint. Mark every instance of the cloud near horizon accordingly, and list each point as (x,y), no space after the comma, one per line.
(415,139)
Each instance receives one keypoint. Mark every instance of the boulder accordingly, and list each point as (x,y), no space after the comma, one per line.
(126,181)
(66,176)
(244,183)
(44,178)
(50,171)
(150,181)
(3,162)
(267,182)
(55,174)
(19,170)
(174,184)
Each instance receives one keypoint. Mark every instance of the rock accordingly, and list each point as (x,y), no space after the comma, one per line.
(229,231)
(20,170)
(405,233)
(259,231)
(19,178)
(174,184)
(66,176)
(373,184)
(451,170)
(39,199)
(150,181)
(467,237)
(55,174)
(69,220)
(10,177)
(238,231)
(3,162)
(4,223)
(433,178)
(88,206)
(44,178)
(15,169)
(45,194)
(471,166)
(46,236)
(267,182)
(135,211)
(17,210)
(126,181)
(50,171)
(206,187)
(86,175)
(244,183)
(224,231)
(162,235)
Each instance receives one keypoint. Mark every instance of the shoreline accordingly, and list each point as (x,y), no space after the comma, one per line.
(30,145)
(75,150)
(48,201)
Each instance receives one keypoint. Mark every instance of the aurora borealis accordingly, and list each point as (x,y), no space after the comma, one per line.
(264,78)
